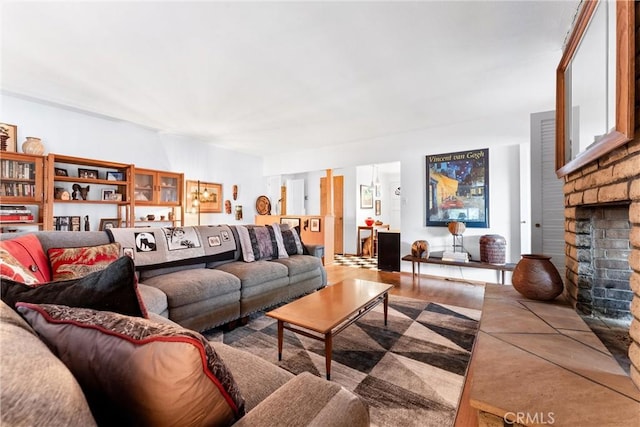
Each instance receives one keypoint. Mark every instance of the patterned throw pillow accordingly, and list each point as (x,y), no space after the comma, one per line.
(11,269)
(27,251)
(261,242)
(138,372)
(74,263)
(292,241)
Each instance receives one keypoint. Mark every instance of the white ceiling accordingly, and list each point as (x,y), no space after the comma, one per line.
(263,77)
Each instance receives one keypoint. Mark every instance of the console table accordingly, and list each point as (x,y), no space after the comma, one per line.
(502,268)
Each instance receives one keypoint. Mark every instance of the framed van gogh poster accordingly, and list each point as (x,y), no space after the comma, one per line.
(458,188)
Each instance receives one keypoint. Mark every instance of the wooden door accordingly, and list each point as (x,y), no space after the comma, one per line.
(338,210)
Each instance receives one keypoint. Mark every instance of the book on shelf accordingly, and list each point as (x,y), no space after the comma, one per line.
(66,223)
(13,218)
(14,209)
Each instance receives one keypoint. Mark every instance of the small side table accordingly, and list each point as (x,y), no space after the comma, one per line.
(373,231)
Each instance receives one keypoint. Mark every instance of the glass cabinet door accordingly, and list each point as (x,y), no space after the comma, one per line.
(144,188)
(168,186)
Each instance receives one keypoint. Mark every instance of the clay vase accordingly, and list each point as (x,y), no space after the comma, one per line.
(369,222)
(33,145)
(537,278)
(493,249)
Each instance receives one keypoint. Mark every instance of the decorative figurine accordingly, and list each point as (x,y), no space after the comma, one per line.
(79,192)
(86,223)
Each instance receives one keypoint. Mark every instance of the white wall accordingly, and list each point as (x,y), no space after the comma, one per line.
(504,137)
(75,133)
(70,132)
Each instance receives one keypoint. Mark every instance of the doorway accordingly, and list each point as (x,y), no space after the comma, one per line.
(338,209)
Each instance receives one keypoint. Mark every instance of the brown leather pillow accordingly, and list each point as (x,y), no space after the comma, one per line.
(138,372)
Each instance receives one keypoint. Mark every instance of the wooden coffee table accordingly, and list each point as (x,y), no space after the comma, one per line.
(327,312)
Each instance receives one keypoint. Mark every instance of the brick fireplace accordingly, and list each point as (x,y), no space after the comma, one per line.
(602,235)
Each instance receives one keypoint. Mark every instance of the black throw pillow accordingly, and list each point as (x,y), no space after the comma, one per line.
(113,289)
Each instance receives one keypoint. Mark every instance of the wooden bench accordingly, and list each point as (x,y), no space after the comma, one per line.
(502,268)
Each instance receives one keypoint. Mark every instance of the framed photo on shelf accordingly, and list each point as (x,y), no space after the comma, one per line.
(291,222)
(88,173)
(106,223)
(366,197)
(115,176)
(206,197)
(60,172)
(314,224)
(9,137)
(107,194)
(457,187)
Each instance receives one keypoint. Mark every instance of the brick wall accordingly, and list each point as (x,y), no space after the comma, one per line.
(606,193)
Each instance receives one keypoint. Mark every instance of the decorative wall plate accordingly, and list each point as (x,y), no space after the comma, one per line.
(263,205)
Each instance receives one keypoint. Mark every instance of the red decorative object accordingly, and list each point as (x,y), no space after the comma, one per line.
(537,278)
(369,222)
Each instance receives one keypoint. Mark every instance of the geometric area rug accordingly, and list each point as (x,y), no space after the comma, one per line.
(410,373)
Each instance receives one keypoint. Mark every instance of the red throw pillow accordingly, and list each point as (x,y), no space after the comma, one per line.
(11,269)
(28,251)
(74,263)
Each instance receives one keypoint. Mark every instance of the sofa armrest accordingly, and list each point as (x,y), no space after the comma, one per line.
(315,250)
(307,400)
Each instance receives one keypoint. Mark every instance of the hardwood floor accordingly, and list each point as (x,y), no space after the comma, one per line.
(437,289)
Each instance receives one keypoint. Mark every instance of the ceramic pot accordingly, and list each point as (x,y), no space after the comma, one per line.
(493,249)
(369,222)
(33,145)
(537,278)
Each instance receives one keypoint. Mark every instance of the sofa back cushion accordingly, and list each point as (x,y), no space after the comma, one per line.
(292,242)
(37,388)
(138,372)
(261,242)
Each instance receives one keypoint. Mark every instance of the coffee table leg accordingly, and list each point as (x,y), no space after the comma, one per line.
(280,338)
(328,348)
(386,307)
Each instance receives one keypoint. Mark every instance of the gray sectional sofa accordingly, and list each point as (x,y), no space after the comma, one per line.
(199,294)
(42,390)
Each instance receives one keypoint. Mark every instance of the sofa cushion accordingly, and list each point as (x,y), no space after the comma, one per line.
(292,241)
(12,269)
(114,289)
(37,388)
(189,286)
(331,405)
(28,251)
(137,372)
(255,273)
(154,299)
(300,264)
(256,383)
(261,242)
(73,263)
